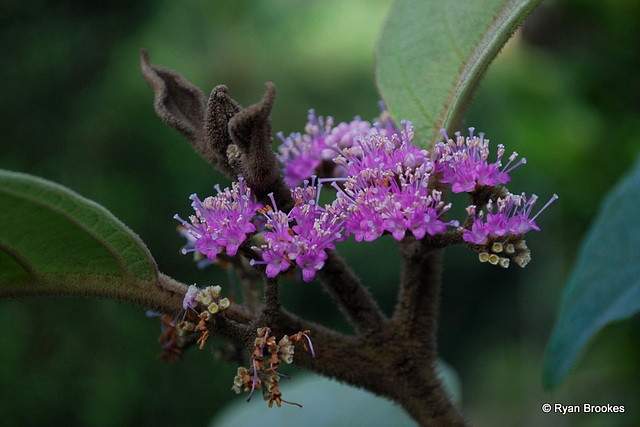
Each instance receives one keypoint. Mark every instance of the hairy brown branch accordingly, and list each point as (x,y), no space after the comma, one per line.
(271,307)
(249,278)
(386,367)
(168,299)
(353,299)
(416,312)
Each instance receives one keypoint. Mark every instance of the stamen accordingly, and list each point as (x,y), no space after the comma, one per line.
(274,370)
(254,381)
(310,344)
(553,199)
(273,201)
(521,162)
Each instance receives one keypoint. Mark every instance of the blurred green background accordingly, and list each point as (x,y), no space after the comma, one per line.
(564,93)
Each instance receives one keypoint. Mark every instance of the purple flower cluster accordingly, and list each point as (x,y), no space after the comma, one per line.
(305,155)
(464,163)
(387,188)
(301,154)
(511,217)
(221,222)
(384,185)
(301,236)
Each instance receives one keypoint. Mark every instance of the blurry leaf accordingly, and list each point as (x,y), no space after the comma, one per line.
(451,381)
(324,402)
(55,242)
(432,54)
(604,286)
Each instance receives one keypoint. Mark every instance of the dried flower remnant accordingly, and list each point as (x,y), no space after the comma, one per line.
(198,307)
(172,344)
(263,374)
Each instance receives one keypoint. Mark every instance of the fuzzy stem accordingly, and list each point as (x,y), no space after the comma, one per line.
(271,302)
(169,298)
(248,277)
(415,322)
(354,360)
(413,384)
(354,300)
(415,316)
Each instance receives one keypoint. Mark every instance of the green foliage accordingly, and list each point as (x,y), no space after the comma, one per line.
(431,56)
(53,241)
(85,119)
(604,286)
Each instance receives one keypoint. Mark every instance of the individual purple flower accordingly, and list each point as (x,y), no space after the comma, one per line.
(360,220)
(201,260)
(188,303)
(221,222)
(278,241)
(464,163)
(275,258)
(478,232)
(344,135)
(310,262)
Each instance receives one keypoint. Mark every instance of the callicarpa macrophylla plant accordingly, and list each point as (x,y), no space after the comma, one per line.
(287,207)
(270,222)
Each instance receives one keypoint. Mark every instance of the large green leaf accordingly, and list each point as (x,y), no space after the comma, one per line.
(431,55)
(55,242)
(604,286)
